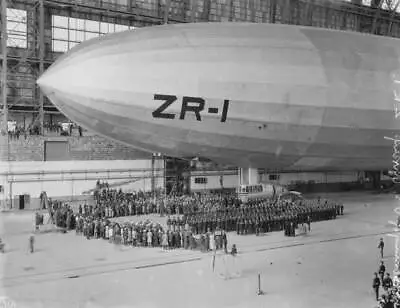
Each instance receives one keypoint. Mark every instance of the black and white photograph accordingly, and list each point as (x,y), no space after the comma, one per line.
(200,153)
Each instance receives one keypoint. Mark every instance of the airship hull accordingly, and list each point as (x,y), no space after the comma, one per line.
(254,95)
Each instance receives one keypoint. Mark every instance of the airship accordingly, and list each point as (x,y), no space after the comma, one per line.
(278,97)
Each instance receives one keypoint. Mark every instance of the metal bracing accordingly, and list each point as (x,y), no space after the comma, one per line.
(4,70)
(41,62)
(393,6)
(26,64)
(376,16)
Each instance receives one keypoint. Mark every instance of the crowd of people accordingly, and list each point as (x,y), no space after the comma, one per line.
(95,222)
(198,221)
(391,287)
(19,130)
(147,234)
(206,212)
(262,216)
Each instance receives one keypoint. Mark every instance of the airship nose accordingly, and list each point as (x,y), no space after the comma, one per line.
(44,82)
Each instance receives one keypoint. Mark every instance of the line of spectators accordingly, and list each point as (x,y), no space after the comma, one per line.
(140,234)
(34,130)
(391,295)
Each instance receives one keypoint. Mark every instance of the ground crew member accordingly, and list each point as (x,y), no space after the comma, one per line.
(32,243)
(387,282)
(382,270)
(375,285)
(381,245)
(225,241)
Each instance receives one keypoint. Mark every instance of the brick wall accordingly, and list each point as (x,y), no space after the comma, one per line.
(82,148)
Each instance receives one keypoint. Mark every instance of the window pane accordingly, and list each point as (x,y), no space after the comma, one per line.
(60,46)
(92,26)
(77,36)
(80,24)
(16,42)
(16,27)
(16,15)
(76,23)
(104,27)
(60,21)
(60,34)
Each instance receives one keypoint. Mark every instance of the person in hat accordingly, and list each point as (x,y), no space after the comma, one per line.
(387,282)
(381,245)
(382,270)
(375,285)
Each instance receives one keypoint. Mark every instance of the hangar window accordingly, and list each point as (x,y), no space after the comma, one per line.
(68,31)
(16,28)
(200,180)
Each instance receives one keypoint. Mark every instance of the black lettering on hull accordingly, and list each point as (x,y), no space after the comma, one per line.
(159,112)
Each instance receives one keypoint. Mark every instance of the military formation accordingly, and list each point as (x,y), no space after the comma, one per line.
(262,216)
(197,221)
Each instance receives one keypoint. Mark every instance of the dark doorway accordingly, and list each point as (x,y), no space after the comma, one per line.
(21,202)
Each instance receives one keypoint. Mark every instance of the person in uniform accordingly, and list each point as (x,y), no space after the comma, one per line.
(382,270)
(309,223)
(225,241)
(375,285)
(387,282)
(381,245)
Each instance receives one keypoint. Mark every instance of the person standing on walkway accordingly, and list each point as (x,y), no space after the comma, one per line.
(376,283)
(382,270)
(387,282)
(32,243)
(381,245)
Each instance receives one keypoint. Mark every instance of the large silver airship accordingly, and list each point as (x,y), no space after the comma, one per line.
(268,96)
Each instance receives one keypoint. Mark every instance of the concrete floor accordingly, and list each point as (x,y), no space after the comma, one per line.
(330,267)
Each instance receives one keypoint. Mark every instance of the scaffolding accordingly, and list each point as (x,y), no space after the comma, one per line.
(23,63)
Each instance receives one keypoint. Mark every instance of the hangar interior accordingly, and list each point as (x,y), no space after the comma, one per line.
(36,137)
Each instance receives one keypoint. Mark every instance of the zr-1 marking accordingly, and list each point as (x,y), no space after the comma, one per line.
(189,104)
